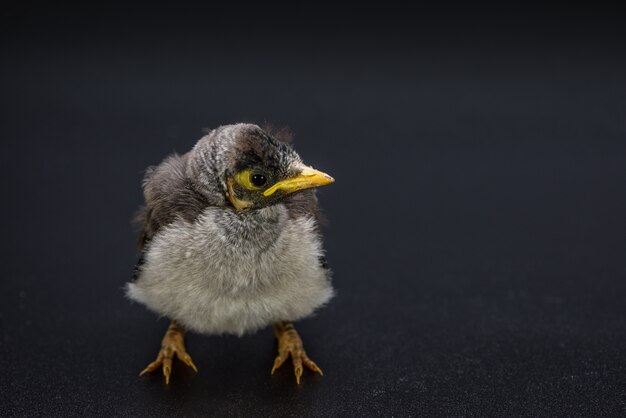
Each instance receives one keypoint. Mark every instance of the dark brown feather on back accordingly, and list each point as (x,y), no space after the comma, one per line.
(169,194)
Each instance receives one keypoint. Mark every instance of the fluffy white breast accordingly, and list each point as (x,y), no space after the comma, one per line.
(233,272)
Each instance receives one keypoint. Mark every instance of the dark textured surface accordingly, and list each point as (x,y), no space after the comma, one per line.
(477,226)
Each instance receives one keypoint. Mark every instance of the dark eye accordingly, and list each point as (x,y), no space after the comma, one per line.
(258,180)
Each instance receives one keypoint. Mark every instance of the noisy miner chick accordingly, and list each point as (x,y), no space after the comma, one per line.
(231,243)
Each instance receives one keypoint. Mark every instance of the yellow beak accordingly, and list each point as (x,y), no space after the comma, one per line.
(307,178)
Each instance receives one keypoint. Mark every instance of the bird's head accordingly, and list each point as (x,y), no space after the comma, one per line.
(244,166)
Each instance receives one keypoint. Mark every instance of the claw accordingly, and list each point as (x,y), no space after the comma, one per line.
(290,344)
(280,359)
(297,364)
(311,364)
(172,344)
(186,358)
(151,367)
(298,372)
(167,372)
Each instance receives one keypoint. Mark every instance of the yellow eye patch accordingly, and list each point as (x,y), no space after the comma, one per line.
(247,178)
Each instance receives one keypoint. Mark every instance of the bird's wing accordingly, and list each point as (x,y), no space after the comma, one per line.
(169,194)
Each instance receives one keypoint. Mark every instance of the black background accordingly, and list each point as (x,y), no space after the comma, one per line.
(477,228)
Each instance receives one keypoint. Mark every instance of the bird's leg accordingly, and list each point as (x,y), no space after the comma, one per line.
(289,343)
(173,343)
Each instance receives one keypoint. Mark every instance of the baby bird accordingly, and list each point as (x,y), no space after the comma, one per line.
(230,243)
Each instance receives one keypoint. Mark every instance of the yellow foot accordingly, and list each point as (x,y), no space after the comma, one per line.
(289,343)
(173,343)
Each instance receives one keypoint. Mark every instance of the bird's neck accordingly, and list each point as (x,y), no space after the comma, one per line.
(259,227)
